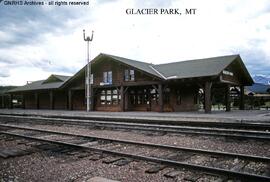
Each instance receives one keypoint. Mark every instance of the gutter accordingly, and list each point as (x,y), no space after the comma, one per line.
(158,72)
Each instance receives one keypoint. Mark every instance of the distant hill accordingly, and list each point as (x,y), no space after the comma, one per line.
(261,79)
(6,88)
(259,88)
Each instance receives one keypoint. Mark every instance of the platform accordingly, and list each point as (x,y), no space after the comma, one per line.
(247,116)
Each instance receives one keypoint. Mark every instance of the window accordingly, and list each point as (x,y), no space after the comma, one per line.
(114,97)
(132,75)
(91,80)
(126,75)
(132,97)
(146,97)
(129,75)
(138,97)
(107,77)
(154,95)
(110,97)
(103,97)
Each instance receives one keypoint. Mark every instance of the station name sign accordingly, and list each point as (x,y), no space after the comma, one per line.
(225,72)
(160,11)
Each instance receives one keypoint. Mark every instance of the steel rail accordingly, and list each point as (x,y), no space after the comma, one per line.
(148,144)
(152,125)
(261,125)
(243,176)
(257,135)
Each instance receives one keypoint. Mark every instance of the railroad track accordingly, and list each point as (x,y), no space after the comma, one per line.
(232,125)
(187,130)
(238,166)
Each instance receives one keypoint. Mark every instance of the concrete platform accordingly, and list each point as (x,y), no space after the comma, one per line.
(248,116)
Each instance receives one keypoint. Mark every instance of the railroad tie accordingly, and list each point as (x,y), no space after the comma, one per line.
(172,174)
(155,169)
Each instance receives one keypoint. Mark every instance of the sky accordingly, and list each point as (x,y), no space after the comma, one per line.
(37,41)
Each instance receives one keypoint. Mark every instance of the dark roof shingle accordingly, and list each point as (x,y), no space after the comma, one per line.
(195,68)
(40,85)
(137,64)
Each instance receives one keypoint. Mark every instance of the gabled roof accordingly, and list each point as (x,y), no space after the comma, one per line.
(43,84)
(56,78)
(179,70)
(62,77)
(4,89)
(187,69)
(195,68)
(143,66)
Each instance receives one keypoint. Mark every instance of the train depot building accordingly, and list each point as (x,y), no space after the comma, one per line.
(120,84)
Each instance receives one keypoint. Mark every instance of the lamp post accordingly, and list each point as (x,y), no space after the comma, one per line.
(88,72)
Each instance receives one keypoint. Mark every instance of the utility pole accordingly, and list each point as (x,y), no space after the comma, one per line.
(88,72)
